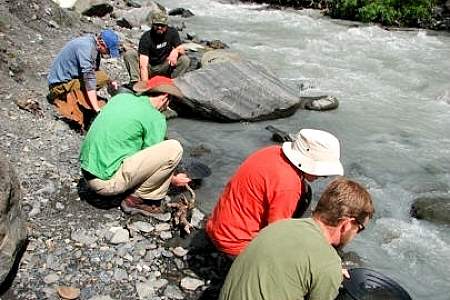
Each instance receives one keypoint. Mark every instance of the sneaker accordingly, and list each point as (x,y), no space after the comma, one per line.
(134,205)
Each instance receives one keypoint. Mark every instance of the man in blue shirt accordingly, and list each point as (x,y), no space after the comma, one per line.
(75,76)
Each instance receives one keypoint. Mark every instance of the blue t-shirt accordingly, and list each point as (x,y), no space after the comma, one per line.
(78,59)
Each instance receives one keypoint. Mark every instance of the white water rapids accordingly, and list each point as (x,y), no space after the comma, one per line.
(393,122)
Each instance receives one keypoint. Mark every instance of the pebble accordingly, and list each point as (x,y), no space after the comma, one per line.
(51,278)
(120,235)
(120,274)
(180,251)
(173,292)
(162,227)
(165,235)
(141,226)
(191,284)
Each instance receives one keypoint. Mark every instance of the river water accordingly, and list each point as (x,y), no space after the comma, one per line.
(393,122)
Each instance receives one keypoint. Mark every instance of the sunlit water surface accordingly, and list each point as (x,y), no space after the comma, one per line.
(393,122)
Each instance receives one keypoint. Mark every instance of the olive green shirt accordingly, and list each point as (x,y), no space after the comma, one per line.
(290,259)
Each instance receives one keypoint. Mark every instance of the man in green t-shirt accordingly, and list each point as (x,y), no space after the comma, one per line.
(124,150)
(296,258)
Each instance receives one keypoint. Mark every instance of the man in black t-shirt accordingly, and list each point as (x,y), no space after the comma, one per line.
(160,52)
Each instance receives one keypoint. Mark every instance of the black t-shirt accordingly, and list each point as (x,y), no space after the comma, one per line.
(158,47)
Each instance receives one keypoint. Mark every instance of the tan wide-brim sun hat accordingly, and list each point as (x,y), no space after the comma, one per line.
(315,152)
(157,84)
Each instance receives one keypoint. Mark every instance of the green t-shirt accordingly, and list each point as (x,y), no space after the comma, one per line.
(289,259)
(125,125)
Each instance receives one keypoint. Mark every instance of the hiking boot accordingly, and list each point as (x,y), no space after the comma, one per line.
(134,205)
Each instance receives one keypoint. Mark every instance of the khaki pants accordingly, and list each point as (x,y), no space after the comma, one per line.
(147,172)
(131,58)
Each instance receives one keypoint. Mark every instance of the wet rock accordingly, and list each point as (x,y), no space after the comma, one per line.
(319,103)
(141,3)
(191,284)
(12,225)
(236,91)
(433,209)
(185,13)
(69,293)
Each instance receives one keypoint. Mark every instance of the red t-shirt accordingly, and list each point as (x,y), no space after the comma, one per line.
(265,188)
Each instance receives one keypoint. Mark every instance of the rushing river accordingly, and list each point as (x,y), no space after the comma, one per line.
(393,122)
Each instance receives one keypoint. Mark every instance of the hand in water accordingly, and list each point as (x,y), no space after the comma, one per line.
(345,273)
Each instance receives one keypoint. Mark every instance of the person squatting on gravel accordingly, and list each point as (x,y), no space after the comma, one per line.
(124,150)
(74,76)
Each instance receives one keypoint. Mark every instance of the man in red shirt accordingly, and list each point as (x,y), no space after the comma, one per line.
(268,186)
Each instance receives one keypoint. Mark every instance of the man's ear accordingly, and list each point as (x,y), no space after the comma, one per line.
(345,225)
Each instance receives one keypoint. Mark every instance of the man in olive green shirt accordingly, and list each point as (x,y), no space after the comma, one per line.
(295,258)
(124,150)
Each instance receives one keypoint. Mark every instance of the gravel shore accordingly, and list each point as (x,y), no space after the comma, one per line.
(76,240)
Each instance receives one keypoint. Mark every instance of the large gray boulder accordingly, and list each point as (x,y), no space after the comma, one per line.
(12,224)
(433,209)
(236,90)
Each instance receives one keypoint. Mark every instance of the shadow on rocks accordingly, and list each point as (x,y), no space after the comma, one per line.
(207,263)
(96,200)
(5,293)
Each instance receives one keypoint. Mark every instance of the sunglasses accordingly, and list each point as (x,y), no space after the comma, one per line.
(160,25)
(361,226)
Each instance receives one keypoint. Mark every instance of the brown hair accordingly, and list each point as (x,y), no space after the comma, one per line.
(344,198)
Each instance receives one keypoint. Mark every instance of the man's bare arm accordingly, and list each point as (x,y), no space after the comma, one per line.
(143,67)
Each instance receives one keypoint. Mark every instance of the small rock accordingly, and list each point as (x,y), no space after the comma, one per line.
(141,226)
(162,227)
(83,236)
(165,235)
(67,292)
(121,235)
(51,278)
(101,297)
(179,251)
(191,284)
(120,274)
(173,292)
(161,217)
(197,218)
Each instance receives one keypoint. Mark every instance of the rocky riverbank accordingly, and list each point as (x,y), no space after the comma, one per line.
(76,240)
